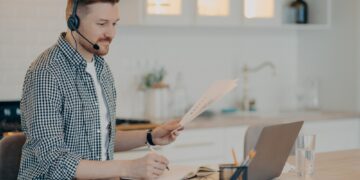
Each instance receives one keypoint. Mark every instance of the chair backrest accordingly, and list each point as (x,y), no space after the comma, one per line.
(252,135)
(10,156)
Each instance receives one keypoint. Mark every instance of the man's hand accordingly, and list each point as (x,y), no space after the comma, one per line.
(163,135)
(151,166)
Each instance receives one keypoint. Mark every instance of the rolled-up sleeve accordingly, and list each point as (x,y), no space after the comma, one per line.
(41,112)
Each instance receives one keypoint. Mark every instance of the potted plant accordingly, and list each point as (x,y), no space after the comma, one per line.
(156,95)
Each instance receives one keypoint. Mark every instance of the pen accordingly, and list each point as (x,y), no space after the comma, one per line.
(153,150)
(236,163)
(250,156)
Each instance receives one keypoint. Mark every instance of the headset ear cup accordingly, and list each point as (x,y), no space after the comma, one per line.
(73,23)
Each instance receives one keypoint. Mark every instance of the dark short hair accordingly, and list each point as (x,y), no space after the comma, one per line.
(82,3)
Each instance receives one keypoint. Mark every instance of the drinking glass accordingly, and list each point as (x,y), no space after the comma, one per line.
(305,155)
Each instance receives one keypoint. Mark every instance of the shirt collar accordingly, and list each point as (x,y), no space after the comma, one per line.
(72,55)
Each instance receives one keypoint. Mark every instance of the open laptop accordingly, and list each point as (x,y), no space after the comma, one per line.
(272,150)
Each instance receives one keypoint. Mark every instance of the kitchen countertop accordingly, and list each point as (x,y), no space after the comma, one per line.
(259,118)
(129,127)
(247,119)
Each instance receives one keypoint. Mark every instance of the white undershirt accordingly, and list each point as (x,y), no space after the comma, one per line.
(103,110)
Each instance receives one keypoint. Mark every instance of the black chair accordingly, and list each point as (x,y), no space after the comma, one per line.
(10,155)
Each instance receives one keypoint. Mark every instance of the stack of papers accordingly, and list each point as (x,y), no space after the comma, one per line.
(214,93)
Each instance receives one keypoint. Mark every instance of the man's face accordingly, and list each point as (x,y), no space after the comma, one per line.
(98,24)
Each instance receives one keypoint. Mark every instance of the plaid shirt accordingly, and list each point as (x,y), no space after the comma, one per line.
(60,113)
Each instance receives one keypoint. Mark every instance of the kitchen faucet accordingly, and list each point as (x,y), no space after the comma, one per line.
(245,101)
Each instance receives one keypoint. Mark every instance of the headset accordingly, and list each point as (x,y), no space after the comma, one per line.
(73,24)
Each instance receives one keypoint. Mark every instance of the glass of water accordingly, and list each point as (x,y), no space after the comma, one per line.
(305,155)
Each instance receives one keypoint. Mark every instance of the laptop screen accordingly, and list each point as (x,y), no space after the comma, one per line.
(272,150)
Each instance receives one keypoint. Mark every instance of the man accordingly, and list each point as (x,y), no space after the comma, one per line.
(68,106)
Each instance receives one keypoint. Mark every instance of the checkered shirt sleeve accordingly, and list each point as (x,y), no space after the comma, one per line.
(44,124)
(60,113)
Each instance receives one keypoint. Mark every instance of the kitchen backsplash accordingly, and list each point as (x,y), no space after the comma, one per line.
(206,54)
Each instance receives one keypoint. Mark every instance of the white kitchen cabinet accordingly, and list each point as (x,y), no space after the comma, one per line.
(234,13)
(199,146)
(217,13)
(181,14)
(156,12)
(262,12)
(333,135)
(213,145)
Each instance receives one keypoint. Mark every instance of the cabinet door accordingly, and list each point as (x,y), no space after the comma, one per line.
(218,12)
(333,135)
(157,12)
(168,12)
(198,146)
(262,12)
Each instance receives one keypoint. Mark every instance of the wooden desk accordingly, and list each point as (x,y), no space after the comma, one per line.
(333,165)
(339,165)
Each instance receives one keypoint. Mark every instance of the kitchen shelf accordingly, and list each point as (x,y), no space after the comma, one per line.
(319,14)
(134,14)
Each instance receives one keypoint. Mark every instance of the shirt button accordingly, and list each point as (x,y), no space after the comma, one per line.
(97,157)
(98,131)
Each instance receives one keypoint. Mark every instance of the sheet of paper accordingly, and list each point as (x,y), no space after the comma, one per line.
(214,93)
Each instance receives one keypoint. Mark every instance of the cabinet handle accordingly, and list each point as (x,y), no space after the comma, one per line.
(194,144)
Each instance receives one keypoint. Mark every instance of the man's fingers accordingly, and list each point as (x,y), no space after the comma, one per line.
(172,126)
(163,160)
(176,131)
(181,128)
(159,168)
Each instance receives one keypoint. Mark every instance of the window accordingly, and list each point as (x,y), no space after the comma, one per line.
(213,7)
(163,7)
(259,8)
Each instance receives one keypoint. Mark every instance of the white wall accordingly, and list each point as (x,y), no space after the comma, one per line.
(201,54)
(329,56)
(358,54)
(205,55)
(27,28)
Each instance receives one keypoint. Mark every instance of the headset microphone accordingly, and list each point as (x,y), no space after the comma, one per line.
(95,46)
(74,23)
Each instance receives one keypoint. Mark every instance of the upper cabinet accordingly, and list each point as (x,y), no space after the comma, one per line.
(238,13)
(262,12)
(217,12)
(167,12)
